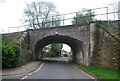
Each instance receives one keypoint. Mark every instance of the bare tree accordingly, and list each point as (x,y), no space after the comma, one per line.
(113,7)
(40,14)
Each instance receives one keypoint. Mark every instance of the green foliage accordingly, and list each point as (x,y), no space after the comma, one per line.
(56,49)
(52,54)
(8,56)
(49,54)
(6,39)
(83,17)
(23,62)
(70,59)
(111,26)
(101,72)
(55,21)
(10,51)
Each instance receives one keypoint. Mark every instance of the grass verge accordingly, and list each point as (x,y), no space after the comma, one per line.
(101,72)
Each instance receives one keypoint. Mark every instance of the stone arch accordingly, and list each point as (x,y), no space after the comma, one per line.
(76,45)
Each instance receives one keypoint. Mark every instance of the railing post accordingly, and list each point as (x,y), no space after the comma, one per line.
(90,15)
(107,13)
(8,29)
(17,29)
(76,18)
(63,20)
(52,21)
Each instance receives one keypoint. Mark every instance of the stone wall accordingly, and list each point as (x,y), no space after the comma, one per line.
(22,40)
(25,52)
(107,49)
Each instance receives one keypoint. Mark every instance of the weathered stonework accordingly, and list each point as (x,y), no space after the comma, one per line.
(107,50)
(90,44)
(76,36)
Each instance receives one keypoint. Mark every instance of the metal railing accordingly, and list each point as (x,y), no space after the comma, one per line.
(100,14)
(66,19)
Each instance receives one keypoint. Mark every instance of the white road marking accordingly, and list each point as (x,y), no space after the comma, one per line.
(34,71)
(24,77)
(39,68)
(83,72)
(18,74)
(30,74)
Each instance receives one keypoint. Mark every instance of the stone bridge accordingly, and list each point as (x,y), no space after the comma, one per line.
(90,43)
(78,37)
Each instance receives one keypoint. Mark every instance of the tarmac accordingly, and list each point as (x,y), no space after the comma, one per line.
(28,68)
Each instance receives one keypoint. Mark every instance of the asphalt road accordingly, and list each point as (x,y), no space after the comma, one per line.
(58,70)
(54,69)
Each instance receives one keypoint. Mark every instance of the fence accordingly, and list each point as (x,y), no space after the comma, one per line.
(109,19)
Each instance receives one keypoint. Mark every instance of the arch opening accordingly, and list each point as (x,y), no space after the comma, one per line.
(57,52)
(76,45)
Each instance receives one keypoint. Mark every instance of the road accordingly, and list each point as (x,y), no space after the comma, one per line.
(55,69)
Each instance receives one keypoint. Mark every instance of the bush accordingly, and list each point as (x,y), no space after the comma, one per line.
(50,54)
(70,60)
(8,56)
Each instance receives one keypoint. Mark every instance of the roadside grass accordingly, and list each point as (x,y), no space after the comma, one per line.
(101,72)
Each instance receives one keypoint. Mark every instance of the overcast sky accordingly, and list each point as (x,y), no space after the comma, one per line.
(11,11)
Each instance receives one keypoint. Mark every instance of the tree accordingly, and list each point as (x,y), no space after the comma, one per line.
(41,14)
(52,50)
(113,7)
(56,49)
(83,17)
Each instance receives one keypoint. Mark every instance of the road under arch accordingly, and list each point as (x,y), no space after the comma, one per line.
(76,45)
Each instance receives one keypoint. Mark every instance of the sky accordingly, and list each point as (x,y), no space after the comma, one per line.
(11,11)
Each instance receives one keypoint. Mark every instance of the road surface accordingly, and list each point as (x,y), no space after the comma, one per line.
(54,69)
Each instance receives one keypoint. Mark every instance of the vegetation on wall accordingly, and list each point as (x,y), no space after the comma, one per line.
(10,52)
(110,26)
(8,56)
(106,51)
